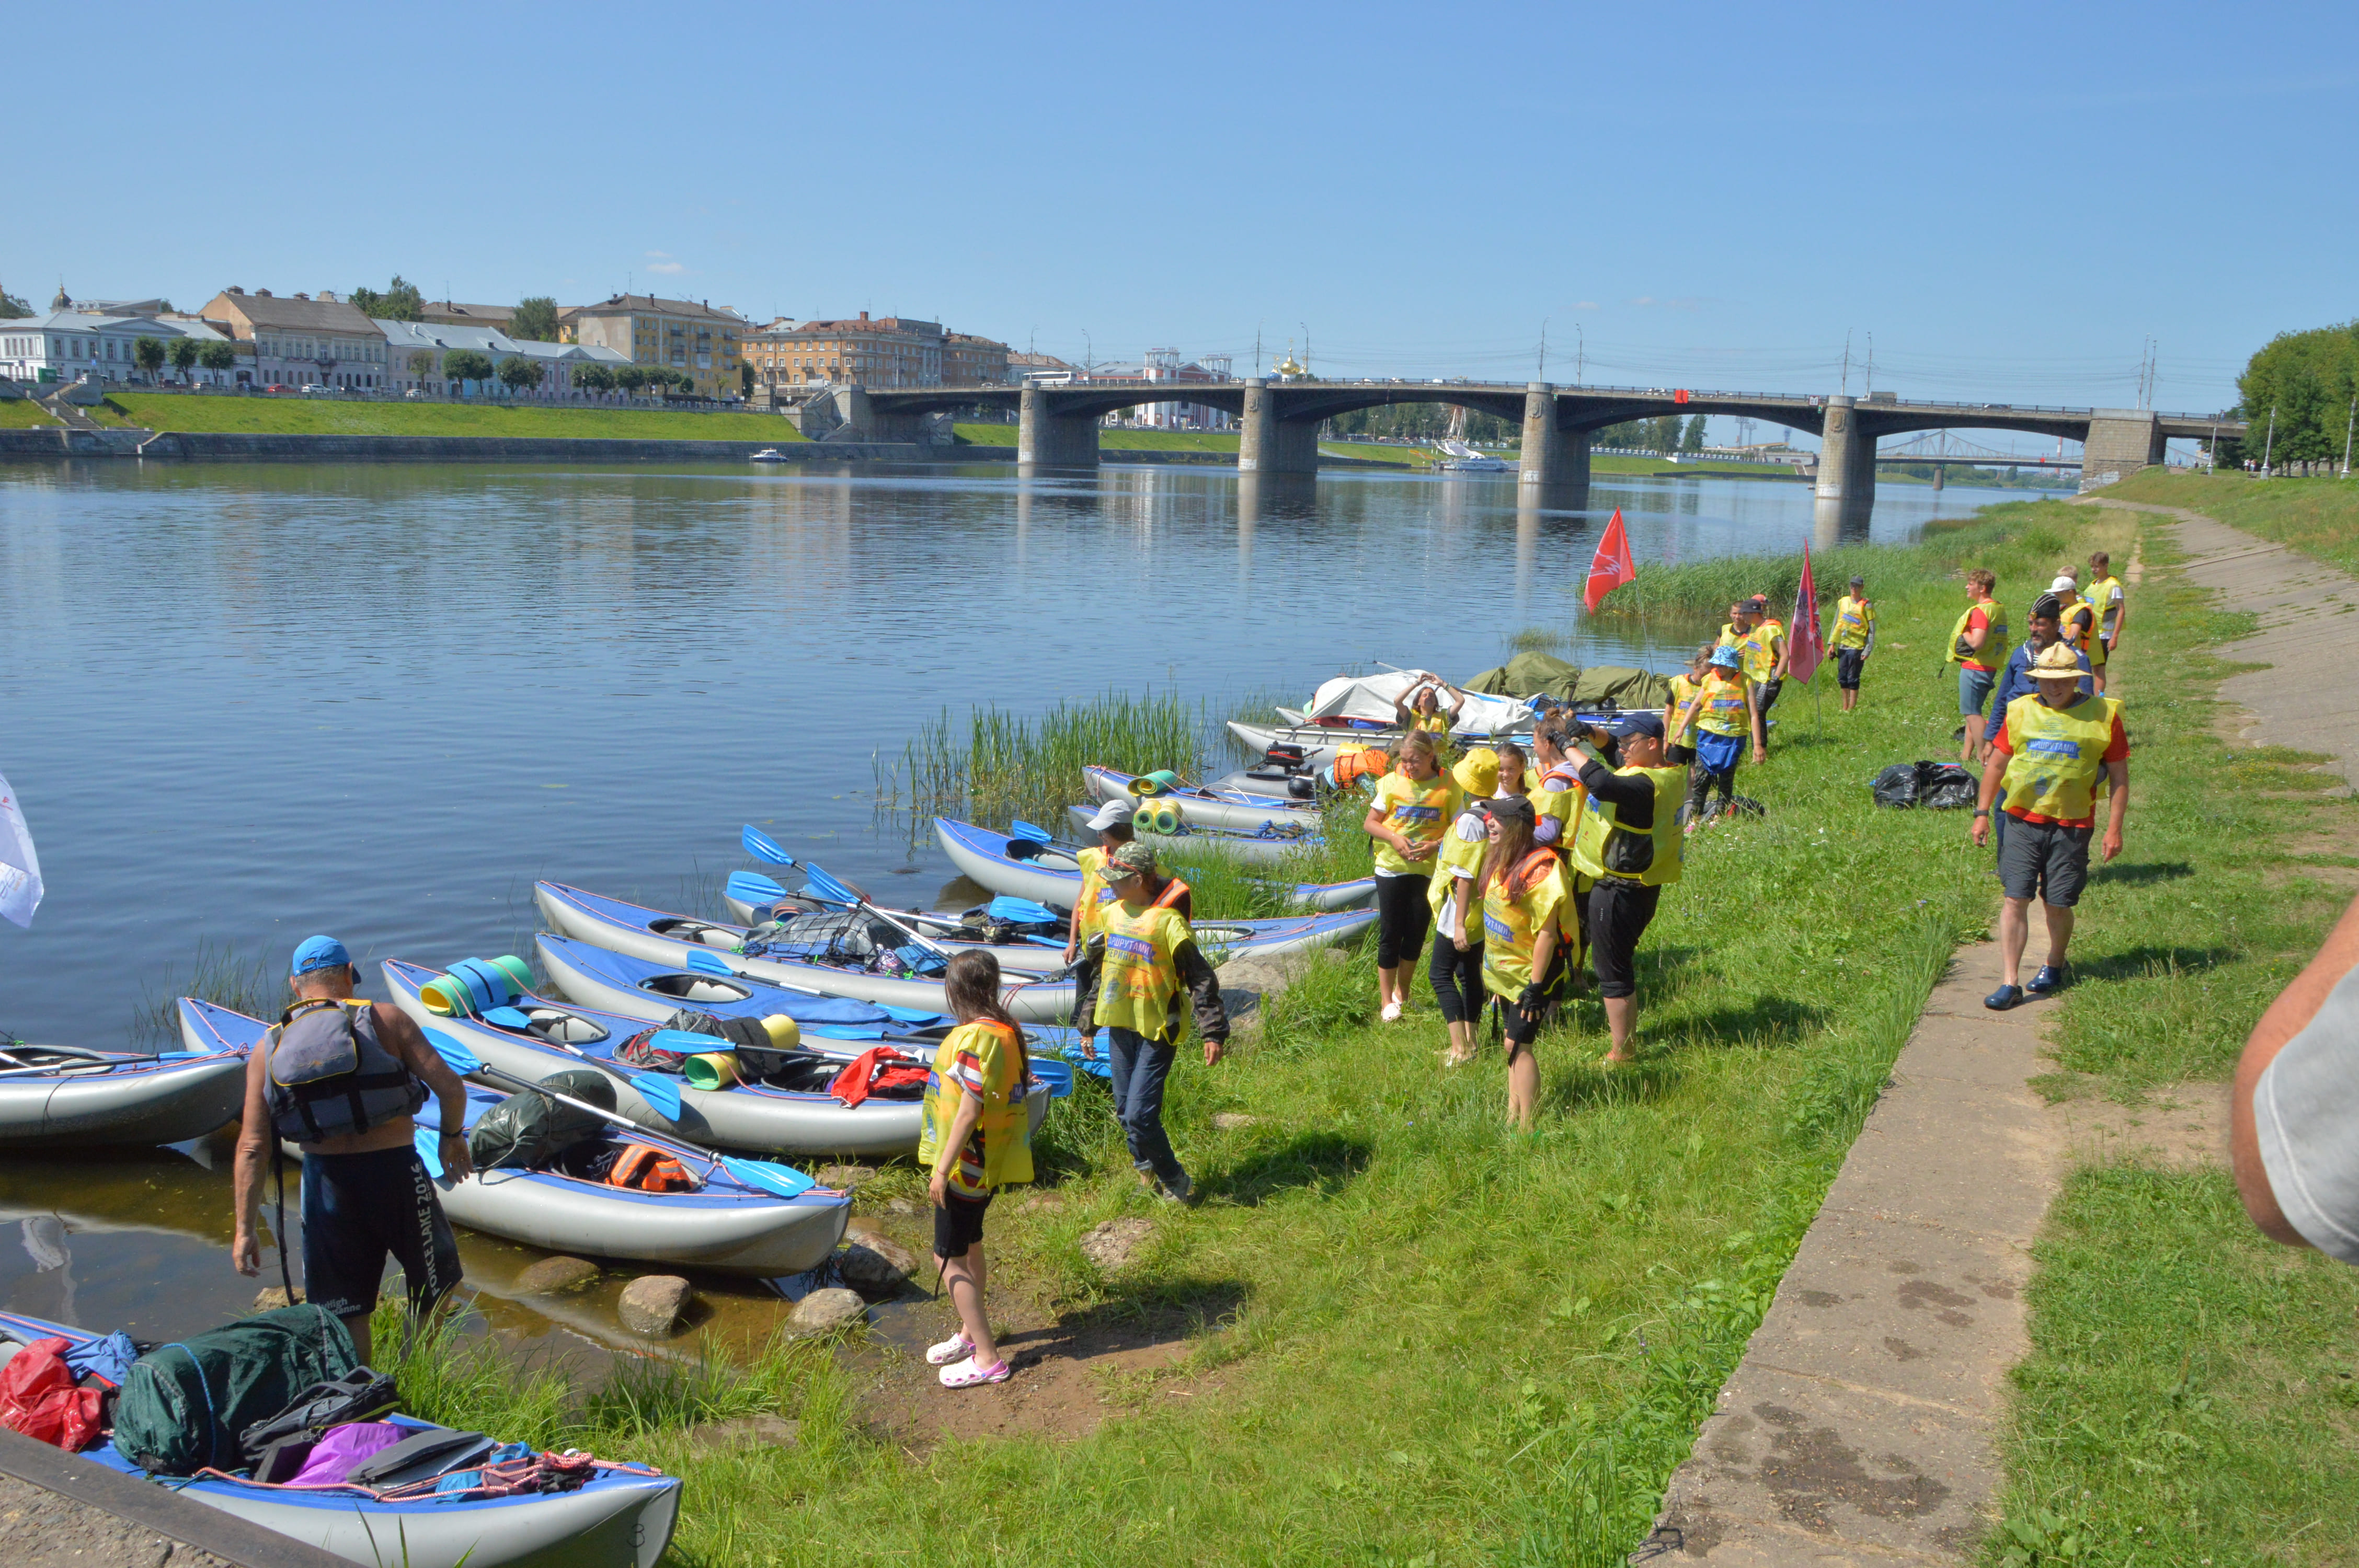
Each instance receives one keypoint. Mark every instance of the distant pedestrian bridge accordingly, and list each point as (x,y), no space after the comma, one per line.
(1278,424)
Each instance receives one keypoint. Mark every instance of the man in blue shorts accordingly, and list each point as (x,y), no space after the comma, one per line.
(1978,647)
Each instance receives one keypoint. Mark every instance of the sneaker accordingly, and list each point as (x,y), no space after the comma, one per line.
(1390,1012)
(967,1375)
(950,1351)
(2003,997)
(2052,979)
(1181,1192)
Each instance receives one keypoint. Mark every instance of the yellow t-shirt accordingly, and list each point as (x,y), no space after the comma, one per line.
(985,1060)
(1855,622)
(1760,648)
(1421,813)
(1511,928)
(1683,692)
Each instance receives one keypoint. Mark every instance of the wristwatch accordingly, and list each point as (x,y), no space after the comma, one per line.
(1982,811)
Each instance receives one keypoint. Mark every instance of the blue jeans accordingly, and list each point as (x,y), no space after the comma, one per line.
(1973,690)
(1140,1066)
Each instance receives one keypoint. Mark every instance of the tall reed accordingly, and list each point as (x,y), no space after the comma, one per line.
(1006,766)
(240,980)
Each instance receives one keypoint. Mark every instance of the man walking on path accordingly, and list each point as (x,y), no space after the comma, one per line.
(2058,745)
(2047,630)
(1149,960)
(1978,647)
(1854,640)
(341,1077)
(2112,607)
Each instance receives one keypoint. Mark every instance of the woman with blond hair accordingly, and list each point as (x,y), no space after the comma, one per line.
(1414,806)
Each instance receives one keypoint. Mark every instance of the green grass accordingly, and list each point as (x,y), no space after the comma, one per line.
(243,980)
(24,414)
(2319,517)
(330,417)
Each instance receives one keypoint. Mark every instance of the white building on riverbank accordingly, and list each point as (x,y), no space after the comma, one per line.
(415,351)
(67,345)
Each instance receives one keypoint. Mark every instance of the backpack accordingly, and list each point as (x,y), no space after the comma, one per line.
(277,1446)
(330,1075)
(185,1404)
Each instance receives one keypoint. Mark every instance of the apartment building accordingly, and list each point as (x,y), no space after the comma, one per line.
(301,340)
(706,342)
(886,350)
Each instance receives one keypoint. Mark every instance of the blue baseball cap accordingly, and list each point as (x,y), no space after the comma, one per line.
(320,953)
(1646,721)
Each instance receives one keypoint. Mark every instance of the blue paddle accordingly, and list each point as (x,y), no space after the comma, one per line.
(762,847)
(660,1093)
(753,887)
(1022,829)
(783,1180)
(704,961)
(429,1144)
(836,892)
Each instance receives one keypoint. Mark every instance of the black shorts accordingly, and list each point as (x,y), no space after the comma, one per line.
(359,1209)
(1619,911)
(1849,662)
(959,1225)
(2045,860)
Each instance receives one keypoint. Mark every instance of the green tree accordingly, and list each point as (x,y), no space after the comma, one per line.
(400,301)
(13,306)
(466,364)
(1693,441)
(1629,433)
(535,320)
(217,356)
(184,355)
(1663,433)
(746,378)
(594,377)
(630,378)
(421,364)
(148,354)
(2308,379)
(520,373)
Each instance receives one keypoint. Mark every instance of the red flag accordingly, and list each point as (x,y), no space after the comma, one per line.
(1611,566)
(1805,648)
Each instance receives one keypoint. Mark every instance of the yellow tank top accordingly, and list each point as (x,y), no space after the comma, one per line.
(2058,756)
(1992,655)
(1093,892)
(1140,973)
(1854,618)
(1455,854)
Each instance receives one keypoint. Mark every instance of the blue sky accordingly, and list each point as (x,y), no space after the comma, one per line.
(2008,200)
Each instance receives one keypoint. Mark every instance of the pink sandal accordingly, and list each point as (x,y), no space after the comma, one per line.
(967,1375)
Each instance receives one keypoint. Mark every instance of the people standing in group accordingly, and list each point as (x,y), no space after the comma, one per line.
(2059,745)
(1456,971)
(976,1137)
(1978,647)
(1680,708)
(2079,623)
(1854,640)
(1115,824)
(1766,655)
(1430,708)
(2044,630)
(1724,716)
(2112,604)
(341,1079)
(1629,843)
(1557,801)
(1413,808)
(1149,960)
(1528,922)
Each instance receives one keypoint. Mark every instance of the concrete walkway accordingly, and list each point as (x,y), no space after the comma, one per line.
(1861,1426)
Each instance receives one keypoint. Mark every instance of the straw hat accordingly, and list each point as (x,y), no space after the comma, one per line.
(2056,662)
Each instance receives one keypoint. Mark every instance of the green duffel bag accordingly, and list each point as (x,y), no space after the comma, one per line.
(527,1130)
(184,1404)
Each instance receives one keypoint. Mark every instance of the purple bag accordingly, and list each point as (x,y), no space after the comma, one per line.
(340,1450)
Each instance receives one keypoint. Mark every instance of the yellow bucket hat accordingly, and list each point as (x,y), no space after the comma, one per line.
(1477,772)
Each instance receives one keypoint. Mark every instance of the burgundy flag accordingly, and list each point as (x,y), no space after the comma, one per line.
(1805,648)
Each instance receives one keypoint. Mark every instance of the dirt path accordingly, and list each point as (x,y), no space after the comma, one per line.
(1861,1426)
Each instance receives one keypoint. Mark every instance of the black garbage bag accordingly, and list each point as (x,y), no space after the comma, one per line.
(1945,786)
(529,1127)
(1896,785)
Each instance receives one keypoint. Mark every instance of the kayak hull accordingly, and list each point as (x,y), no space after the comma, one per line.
(147,1102)
(619,1520)
(1246,846)
(1320,743)
(633,929)
(1239,810)
(1048,873)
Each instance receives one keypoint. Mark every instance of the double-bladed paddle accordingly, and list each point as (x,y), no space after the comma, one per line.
(659,1092)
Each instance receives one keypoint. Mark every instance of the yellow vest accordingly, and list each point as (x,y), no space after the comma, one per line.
(1678,714)
(1759,649)
(1093,892)
(990,1057)
(1511,926)
(1604,848)
(2101,594)
(1720,705)
(1455,852)
(1419,813)
(1728,635)
(2058,755)
(1561,804)
(1992,655)
(1854,620)
(1140,973)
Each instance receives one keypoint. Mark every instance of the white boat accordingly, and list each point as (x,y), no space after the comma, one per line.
(1242,811)
(1048,873)
(769,455)
(1265,848)
(1460,458)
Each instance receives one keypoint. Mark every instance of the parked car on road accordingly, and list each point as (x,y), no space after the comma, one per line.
(277,386)
(313,389)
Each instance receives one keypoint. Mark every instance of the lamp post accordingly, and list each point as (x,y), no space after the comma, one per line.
(2350,419)
(2270,444)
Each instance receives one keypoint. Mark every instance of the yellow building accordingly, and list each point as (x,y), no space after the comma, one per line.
(706,343)
(890,350)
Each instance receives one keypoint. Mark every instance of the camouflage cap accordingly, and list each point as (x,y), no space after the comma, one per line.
(1129,859)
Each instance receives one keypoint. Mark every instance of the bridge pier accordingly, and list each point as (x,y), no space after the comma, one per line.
(2120,442)
(1268,444)
(1054,441)
(1846,488)
(1554,470)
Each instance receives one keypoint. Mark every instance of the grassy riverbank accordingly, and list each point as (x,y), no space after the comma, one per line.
(24,414)
(2319,517)
(2189,1396)
(331,416)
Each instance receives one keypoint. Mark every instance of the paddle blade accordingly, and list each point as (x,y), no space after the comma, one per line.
(758,844)
(842,1031)
(827,887)
(660,1093)
(1056,1074)
(783,1180)
(688,1045)
(462,1060)
(508,1018)
(429,1144)
(913,1014)
(1022,829)
(753,887)
(1021,910)
(705,962)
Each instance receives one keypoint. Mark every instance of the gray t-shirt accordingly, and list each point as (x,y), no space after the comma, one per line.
(2306,1110)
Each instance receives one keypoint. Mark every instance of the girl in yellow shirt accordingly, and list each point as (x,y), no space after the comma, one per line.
(976,1138)
(1414,806)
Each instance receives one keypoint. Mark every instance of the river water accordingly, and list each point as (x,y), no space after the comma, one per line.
(242,703)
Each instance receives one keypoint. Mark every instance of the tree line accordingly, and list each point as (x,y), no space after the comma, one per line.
(2305,385)
(534,320)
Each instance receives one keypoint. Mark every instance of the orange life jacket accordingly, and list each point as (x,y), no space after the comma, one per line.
(645,1168)
(1351,766)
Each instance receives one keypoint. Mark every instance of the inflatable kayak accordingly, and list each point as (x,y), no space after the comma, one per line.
(727,1225)
(1203,806)
(621,1518)
(662,938)
(743,1116)
(1265,848)
(1048,873)
(52,1095)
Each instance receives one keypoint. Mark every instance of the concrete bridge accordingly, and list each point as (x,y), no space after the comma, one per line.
(1279,423)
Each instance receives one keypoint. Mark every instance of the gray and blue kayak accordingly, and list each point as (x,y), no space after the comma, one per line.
(622,1517)
(1048,873)
(1265,848)
(53,1095)
(1209,805)
(726,1226)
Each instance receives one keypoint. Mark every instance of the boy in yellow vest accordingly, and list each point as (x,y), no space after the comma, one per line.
(1854,641)
(2112,607)
(2056,744)
(1149,960)
(1978,647)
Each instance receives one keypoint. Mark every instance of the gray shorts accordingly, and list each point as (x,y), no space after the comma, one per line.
(2045,860)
